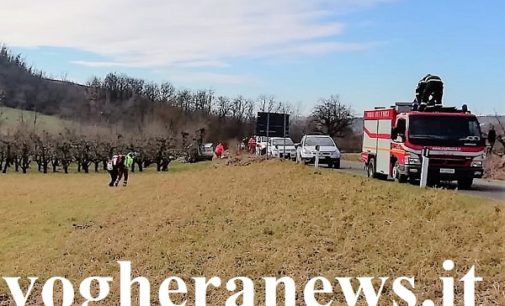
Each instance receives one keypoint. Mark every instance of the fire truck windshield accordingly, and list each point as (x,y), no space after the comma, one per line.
(444,131)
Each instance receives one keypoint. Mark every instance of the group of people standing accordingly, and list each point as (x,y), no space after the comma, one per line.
(118,167)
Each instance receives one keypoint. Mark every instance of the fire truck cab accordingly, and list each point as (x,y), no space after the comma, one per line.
(394,139)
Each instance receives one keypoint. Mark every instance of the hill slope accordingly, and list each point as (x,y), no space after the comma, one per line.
(12,118)
(134,105)
(22,87)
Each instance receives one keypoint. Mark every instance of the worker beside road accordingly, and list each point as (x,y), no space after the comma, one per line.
(429,86)
(491,138)
(252,145)
(219,150)
(244,144)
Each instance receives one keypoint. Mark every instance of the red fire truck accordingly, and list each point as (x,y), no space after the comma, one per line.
(395,138)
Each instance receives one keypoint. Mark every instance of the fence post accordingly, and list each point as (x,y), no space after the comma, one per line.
(268,130)
(284,135)
(425,167)
(316,161)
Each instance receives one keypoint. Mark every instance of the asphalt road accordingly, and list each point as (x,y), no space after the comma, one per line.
(482,188)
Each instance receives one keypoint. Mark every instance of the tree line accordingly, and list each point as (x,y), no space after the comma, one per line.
(68,151)
(132,106)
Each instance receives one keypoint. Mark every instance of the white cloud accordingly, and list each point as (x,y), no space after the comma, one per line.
(213,78)
(101,64)
(190,33)
(315,48)
(208,63)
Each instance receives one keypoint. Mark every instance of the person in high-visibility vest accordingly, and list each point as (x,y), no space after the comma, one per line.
(118,166)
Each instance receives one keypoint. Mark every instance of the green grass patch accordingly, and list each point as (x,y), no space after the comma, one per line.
(12,118)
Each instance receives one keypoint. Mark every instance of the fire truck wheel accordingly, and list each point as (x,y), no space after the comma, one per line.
(336,164)
(370,168)
(401,178)
(465,183)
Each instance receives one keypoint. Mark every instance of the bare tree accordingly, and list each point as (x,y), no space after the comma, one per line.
(167,92)
(266,103)
(222,107)
(332,117)
(249,109)
(501,136)
(238,106)
(497,117)
(286,108)
(152,91)
(183,99)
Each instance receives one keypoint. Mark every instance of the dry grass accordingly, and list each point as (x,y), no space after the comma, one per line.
(266,219)
(494,167)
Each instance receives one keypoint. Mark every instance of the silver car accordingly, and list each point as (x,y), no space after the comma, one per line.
(281,148)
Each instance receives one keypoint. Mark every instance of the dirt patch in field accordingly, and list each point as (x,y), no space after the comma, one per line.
(244,160)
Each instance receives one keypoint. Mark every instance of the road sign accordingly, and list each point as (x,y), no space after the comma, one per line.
(272,124)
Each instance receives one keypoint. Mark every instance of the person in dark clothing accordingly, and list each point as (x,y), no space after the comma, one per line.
(429,91)
(491,138)
(419,91)
(118,167)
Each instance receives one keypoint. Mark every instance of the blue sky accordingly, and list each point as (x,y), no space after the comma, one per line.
(370,52)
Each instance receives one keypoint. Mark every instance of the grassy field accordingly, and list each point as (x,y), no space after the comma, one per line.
(266,219)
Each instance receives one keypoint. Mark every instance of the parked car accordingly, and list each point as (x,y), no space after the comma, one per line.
(207,151)
(261,145)
(281,148)
(329,154)
(196,153)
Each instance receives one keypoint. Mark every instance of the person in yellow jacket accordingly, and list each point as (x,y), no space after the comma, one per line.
(118,166)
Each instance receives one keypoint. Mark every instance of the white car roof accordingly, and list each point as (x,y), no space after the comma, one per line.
(322,136)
